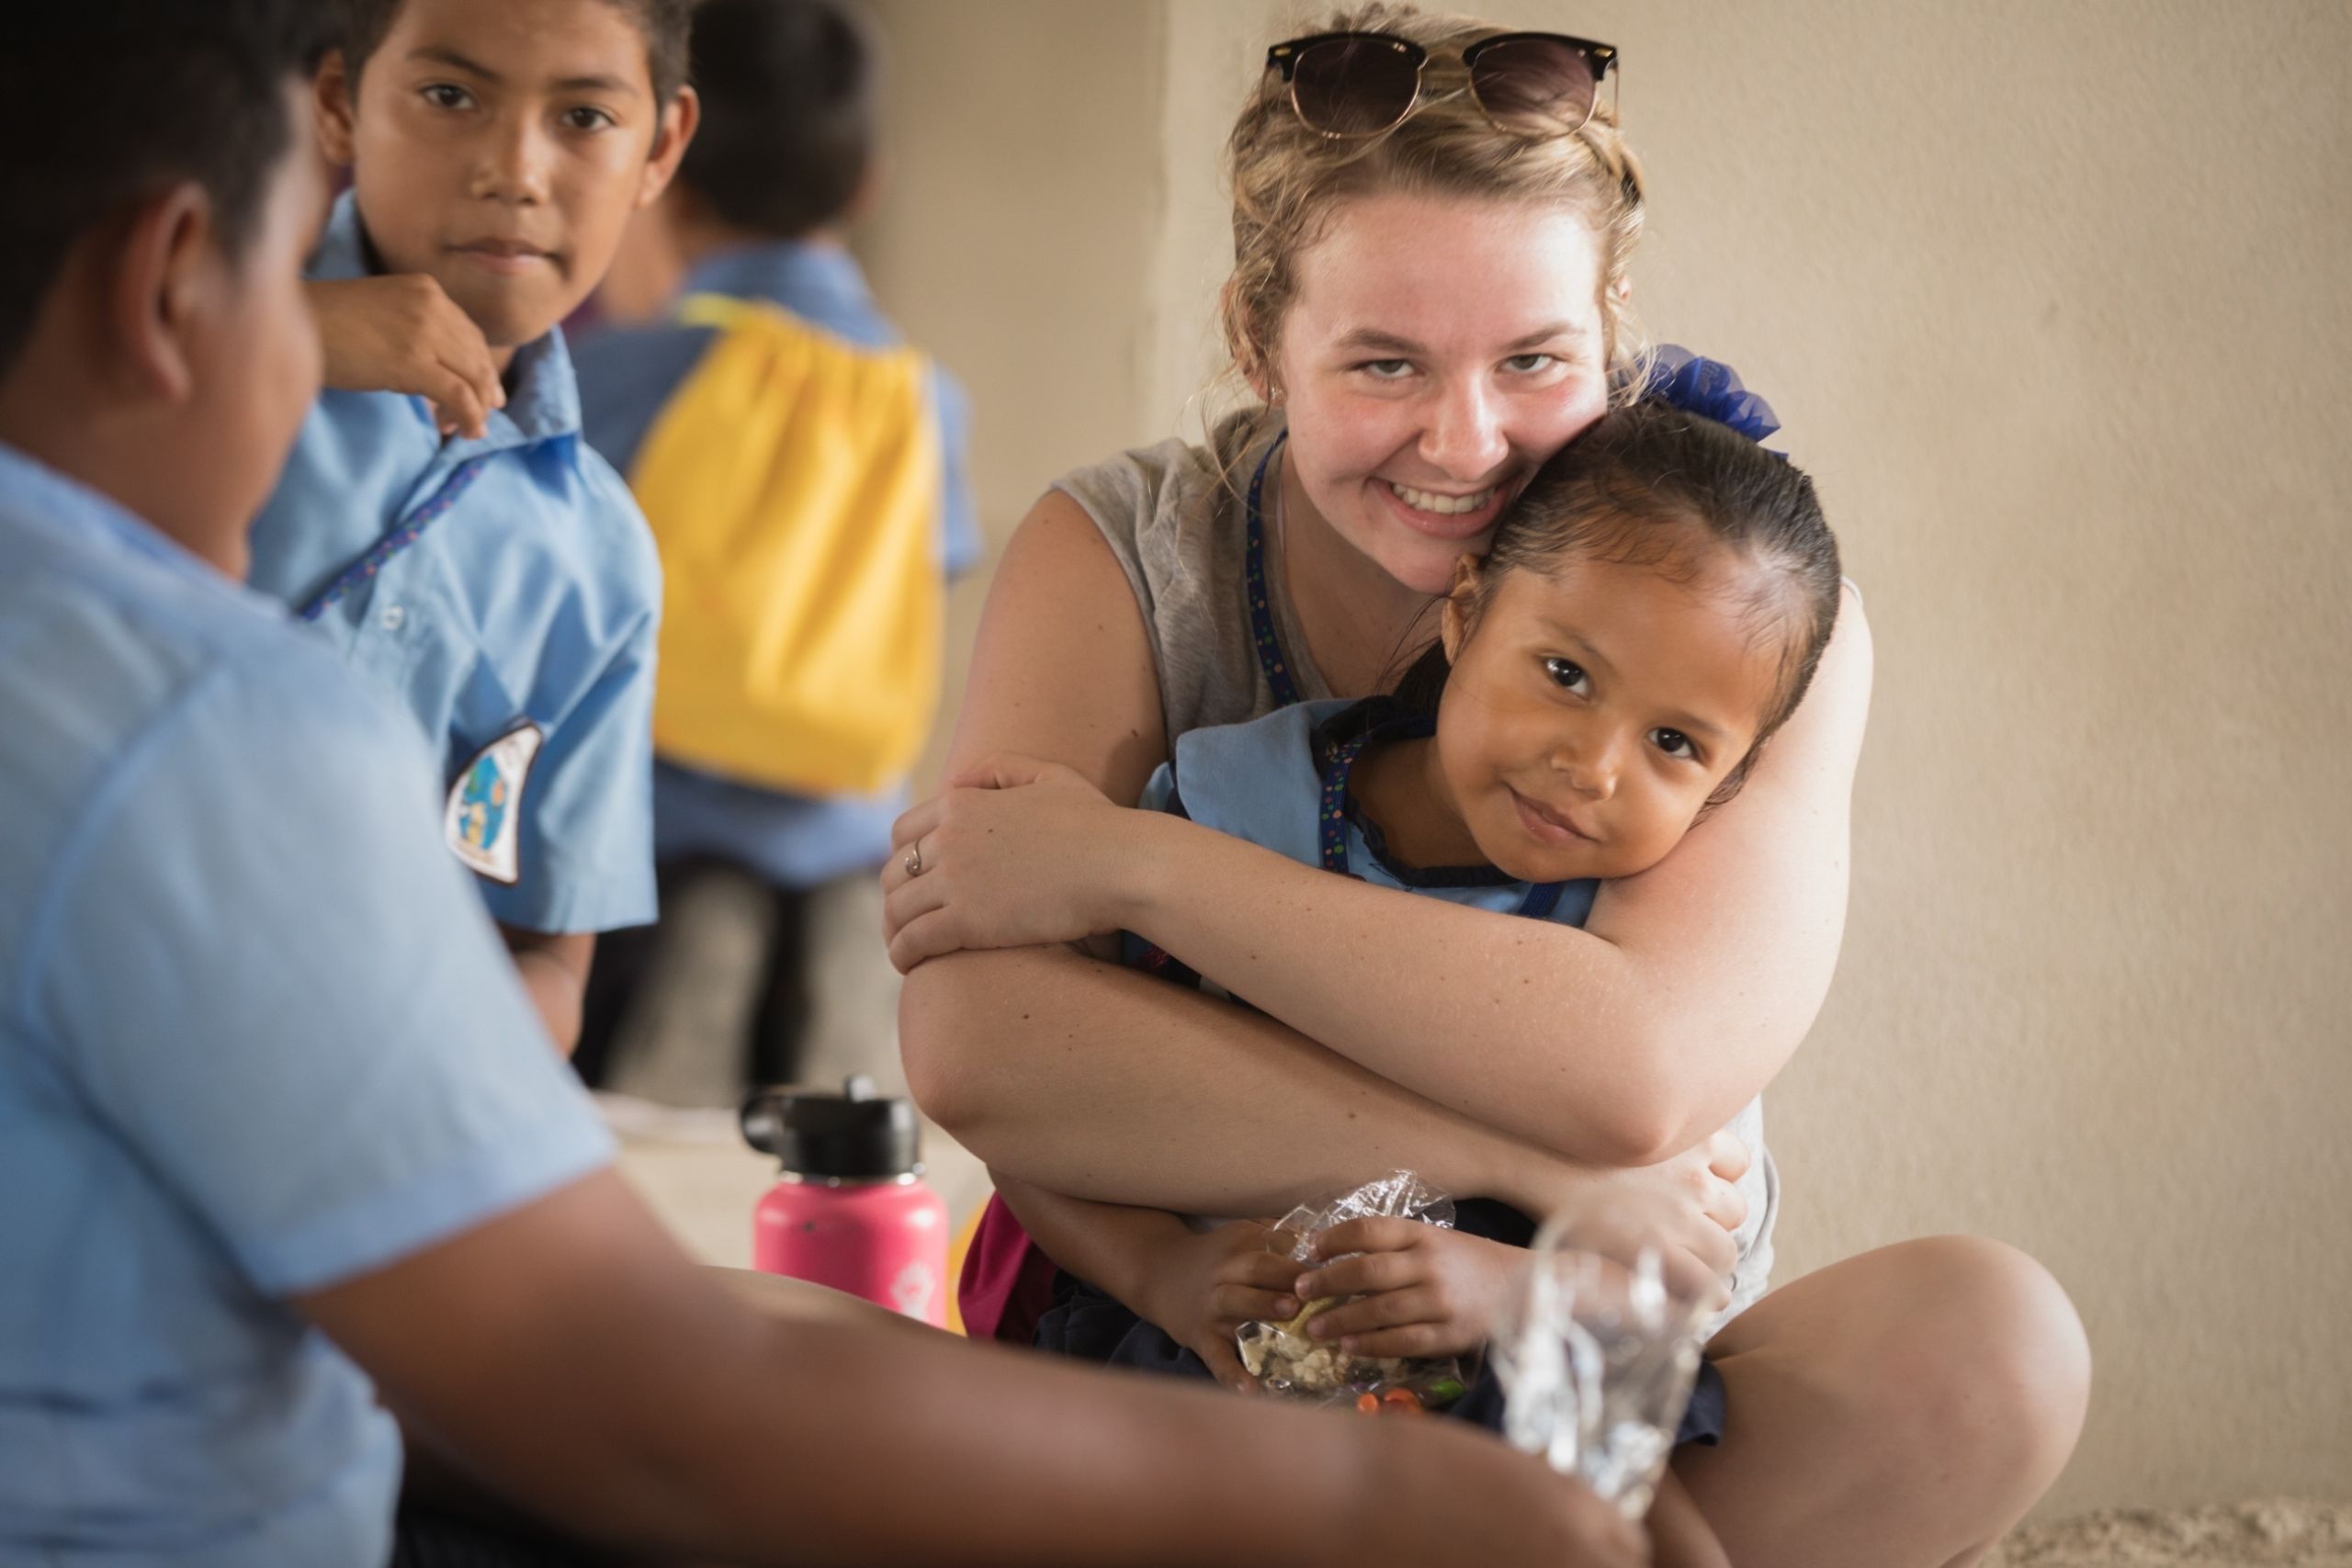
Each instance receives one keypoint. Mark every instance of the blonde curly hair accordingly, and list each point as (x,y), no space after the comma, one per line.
(1287,181)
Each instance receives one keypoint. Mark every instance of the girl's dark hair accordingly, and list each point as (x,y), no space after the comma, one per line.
(1650,485)
(664,23)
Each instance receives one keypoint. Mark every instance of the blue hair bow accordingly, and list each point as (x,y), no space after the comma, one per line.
(1709,388)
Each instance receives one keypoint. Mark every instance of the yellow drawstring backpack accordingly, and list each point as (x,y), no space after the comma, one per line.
(793,485)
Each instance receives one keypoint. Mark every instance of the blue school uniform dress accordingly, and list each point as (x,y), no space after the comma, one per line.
(256,1038)
(1282,782)
(627,377)
(507,591)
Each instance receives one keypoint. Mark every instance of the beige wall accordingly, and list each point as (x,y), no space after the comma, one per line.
(2053,302)
(1013,233)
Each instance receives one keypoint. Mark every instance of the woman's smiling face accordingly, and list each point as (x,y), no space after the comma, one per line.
(1438,350)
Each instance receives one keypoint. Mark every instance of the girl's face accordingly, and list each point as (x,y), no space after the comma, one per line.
(1592,710)
(1439,350)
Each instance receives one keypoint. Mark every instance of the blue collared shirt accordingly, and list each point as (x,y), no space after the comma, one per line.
(1258,780)
(256,1038)
(534,598)
(627,375)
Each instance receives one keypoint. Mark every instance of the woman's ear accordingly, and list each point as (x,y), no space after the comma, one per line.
(334,103)
(1246,361)
(1461,606)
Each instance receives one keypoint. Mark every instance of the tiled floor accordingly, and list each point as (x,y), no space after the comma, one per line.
(2276,1532)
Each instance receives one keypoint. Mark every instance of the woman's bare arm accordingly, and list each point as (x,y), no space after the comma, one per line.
(1103,1083)
(1618,1043)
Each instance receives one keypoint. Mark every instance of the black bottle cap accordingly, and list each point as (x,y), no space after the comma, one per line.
(855,1136)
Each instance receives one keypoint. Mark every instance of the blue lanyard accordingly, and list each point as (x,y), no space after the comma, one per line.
(1331,812)
(401,536)
(1262,613)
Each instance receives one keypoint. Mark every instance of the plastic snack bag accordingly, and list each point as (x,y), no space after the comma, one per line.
(1285,1360)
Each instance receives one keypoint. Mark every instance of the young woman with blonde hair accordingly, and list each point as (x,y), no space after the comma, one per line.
(1434,221)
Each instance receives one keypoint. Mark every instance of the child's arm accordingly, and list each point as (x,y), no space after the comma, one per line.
(554,969)
(403,334)
(1199,1286)
(1421,1290)
(658,1412)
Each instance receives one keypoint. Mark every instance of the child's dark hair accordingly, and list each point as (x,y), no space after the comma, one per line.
(664,23)
(788,110)
(1650,485)
(104,102)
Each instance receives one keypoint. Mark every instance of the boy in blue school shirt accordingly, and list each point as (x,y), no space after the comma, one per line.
(284,1150)
(440,520)
(783,162)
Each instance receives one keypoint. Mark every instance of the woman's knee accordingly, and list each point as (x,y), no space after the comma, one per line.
(1997,1366)
(1905,1406)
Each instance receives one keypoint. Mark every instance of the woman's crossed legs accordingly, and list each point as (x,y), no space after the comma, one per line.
(1900,1410)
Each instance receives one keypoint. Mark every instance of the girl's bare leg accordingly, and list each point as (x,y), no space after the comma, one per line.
(1901,1409)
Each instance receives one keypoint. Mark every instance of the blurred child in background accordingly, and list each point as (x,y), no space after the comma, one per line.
(440,519)
(804,474)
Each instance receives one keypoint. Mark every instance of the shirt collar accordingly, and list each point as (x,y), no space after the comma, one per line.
(803,277)
(543,396)
(341,252)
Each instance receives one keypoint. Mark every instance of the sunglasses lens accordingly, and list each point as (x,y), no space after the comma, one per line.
(1541,84)
(1354,86)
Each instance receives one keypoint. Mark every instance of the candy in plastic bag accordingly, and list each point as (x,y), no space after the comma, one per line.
(1285,1360)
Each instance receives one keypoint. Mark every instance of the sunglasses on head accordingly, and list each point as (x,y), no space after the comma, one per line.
(1351,85)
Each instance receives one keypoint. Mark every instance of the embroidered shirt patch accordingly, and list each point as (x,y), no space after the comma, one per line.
(483,821)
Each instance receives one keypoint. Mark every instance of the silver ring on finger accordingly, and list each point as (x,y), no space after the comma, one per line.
(913,863)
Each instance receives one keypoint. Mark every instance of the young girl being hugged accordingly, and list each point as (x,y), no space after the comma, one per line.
(1433,224)
(1650,611)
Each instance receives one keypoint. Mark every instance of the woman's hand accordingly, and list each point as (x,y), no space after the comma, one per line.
(1206,1287)
(1699,1186)
(1421,1289)
(403,334)
(1013,852)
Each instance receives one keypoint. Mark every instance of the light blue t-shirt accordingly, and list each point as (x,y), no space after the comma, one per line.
(627,375)
(527,603)
(257,1037)
(1262,780)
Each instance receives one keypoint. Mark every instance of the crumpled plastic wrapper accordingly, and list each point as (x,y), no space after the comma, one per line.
(1287,1363)
(1599,1347)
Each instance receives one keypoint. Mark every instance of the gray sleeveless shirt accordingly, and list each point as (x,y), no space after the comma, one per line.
(1176,516)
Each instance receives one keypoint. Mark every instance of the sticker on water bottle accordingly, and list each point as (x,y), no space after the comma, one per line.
(911,1292)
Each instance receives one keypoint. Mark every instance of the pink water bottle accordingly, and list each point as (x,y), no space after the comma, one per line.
(851,1209)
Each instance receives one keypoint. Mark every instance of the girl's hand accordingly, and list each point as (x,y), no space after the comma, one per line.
(1206,1287)
(1421,1289)
(403,334)
(1014,852)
